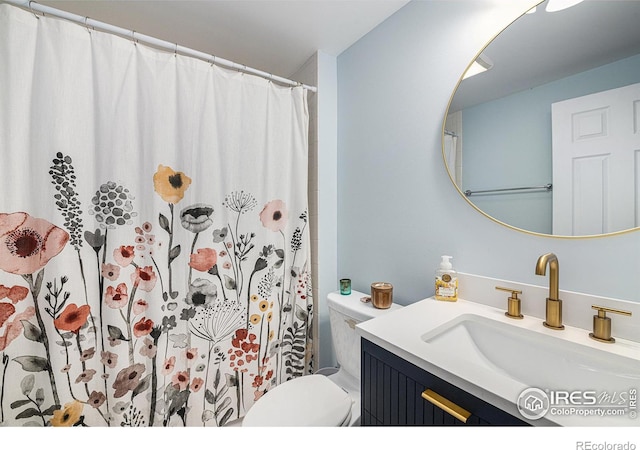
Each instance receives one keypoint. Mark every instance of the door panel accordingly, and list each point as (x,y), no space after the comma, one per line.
(596,152)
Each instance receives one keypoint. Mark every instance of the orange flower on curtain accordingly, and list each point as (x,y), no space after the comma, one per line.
(72,318)
(170,185)
(67,416)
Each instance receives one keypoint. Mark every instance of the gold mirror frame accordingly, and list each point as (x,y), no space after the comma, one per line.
(444,157)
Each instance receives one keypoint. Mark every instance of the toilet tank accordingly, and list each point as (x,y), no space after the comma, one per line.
(345,312)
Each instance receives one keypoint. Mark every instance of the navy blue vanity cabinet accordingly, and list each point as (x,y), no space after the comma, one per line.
(392,394)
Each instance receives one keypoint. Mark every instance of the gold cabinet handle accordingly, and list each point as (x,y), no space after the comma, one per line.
(446,405)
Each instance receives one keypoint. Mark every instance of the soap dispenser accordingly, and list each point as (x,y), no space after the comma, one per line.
(446,281)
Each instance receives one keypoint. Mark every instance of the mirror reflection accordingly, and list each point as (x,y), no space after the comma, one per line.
(547,137)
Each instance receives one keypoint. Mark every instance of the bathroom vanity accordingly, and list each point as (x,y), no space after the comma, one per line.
(394,391)
(465,362)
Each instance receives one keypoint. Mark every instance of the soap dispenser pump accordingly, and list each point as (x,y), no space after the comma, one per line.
(446,281)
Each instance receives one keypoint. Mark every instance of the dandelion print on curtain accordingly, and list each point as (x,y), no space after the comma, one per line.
(154,239)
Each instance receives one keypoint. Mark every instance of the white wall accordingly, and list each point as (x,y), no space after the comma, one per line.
(397,209)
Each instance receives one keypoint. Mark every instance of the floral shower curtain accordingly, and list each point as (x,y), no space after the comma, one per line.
(154,240)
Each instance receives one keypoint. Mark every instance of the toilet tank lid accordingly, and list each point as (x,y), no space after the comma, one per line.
(351,305)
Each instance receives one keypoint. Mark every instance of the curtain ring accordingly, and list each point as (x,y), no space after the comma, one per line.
(133,37)
(86,25)
(175,52)
(213,60)
(32,11)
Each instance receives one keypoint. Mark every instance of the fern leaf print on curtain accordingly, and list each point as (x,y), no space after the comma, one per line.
(154,239)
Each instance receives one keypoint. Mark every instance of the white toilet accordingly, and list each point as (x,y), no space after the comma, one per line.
(318,399)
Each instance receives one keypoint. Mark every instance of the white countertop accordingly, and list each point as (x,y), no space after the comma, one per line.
(400,332)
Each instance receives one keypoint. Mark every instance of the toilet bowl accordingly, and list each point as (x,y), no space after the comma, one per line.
(331,396)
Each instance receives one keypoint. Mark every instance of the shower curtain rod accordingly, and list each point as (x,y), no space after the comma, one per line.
(158,43)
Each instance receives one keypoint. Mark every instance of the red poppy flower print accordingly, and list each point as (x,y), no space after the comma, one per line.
(13,328)
(190,356)
(72,318)
(181,379)
(17,293)
(274,215)
(6,311)
(148,348)
(116,298)
(110,271)
(124,255)
(14,293)
(140,306)
(128,379)
(196,384)
(204,259)
(96,399)
(109,359)
(144,278)
(85,376)
(143,327)
(27,243)
(169,365)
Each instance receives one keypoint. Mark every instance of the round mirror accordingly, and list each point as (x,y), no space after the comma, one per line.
(543,131)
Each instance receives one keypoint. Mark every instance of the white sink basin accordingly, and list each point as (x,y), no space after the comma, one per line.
(533,358)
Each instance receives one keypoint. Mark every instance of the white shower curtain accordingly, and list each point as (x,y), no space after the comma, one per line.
(154,249)
(451,155)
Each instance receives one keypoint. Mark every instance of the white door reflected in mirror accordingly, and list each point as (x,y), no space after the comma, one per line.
(596,160)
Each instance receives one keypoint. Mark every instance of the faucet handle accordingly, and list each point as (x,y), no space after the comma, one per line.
(602,323)
(513,305)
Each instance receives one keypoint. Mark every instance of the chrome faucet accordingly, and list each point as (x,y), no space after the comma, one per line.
(554,304)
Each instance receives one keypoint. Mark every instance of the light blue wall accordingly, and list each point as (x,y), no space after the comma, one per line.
(327,176)
(515,131)
(397,209)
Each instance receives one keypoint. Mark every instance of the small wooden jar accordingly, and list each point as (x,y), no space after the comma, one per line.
(381,295)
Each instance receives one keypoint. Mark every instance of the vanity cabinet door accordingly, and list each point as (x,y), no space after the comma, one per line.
(392,394)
